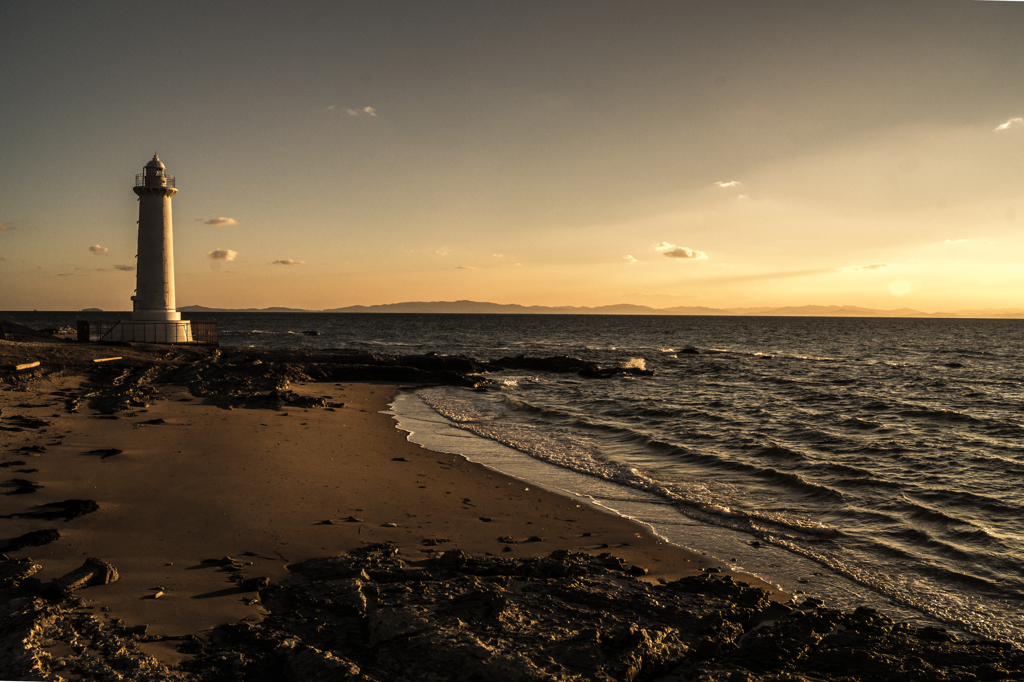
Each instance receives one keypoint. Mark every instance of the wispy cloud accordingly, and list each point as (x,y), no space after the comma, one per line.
(125,268)
(731,183)
(631,260)
(466,267)
(442,252)
(1017,120)
(956,241)
(369,111)
(7,227)
(763,276)
(870,266)
(331,108)
(222,254)
(288,261)
(98,250)
(217,221)
(673,251)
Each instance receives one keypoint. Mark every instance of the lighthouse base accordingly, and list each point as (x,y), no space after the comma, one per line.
(156,331)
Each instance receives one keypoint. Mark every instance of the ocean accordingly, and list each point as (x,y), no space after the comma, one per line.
(871,462)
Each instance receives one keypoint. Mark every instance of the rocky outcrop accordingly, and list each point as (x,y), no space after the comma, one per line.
(369,616)
(565,364)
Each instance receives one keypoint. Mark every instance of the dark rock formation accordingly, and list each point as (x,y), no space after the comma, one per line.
(104,453)
(565,364)
(67,510)
(93,572)
(35,538)
(22,486)
(368,616)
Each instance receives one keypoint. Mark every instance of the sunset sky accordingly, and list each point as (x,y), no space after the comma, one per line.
(709,152)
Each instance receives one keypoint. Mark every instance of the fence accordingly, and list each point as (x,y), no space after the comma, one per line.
(203,333)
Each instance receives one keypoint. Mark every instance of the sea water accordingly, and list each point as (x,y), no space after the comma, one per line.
(865,461)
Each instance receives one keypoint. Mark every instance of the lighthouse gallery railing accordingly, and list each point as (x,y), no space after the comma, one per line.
(140,180)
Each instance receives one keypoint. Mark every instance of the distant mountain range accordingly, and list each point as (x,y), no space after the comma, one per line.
(475,307)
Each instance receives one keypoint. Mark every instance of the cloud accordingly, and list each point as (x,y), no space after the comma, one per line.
(218,221)
(222,254)
(673,251)
(466,267)
(764,276)
(287,261)
(369,111)
(956,241)
(125,268)
(731,183)
(98,250)
(1017,120)
(331,108)
(870,266)
(442,252)
(7,227)
(631,260)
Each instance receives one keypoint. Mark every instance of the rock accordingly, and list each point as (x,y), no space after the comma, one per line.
(22,486)
(67,510)
(255,584)
(104,453)
(35,538)
(367,616)
(453,557)
(92,572)
(15,572)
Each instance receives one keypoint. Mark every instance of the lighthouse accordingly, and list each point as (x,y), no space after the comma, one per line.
(154,318)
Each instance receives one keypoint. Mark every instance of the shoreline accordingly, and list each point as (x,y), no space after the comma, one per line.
(207,512)
(263,500)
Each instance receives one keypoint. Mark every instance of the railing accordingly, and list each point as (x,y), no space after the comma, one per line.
(155,180)
(204,333)
(92,330)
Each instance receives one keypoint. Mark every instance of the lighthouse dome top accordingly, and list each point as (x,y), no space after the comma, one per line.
(156,163)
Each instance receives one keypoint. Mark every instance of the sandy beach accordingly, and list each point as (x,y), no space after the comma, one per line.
(199,501)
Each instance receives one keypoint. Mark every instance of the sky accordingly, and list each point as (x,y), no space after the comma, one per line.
(721,153)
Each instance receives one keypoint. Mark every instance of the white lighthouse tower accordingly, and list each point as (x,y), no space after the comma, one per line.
(154,318)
